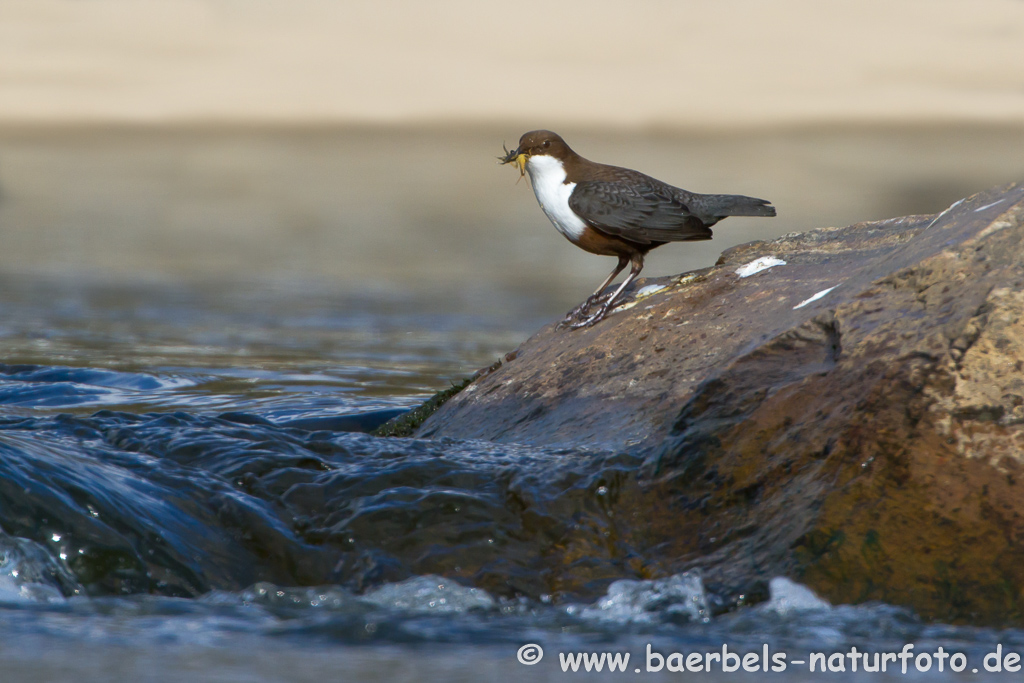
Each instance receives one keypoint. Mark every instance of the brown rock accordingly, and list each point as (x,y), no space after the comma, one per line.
(853,418)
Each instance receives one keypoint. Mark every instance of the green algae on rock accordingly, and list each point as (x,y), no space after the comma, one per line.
(407,423)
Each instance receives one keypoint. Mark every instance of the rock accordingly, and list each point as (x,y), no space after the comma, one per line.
(848,412)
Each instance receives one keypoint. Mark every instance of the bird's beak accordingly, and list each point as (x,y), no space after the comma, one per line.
(514,157)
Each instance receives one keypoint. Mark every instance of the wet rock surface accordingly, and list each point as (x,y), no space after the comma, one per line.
(852,417)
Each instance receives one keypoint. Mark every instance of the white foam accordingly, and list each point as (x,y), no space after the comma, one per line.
(788,596)
(630,601)
(429,594)
(759,264)
(13,591)
(22,564)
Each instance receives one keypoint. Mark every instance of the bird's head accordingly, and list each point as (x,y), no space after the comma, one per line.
(535,143)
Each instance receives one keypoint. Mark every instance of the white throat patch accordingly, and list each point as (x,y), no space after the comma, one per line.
(547,175)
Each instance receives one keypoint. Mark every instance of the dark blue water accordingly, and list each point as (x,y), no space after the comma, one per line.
(181,497)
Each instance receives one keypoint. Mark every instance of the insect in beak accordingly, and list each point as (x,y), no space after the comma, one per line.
(514,157)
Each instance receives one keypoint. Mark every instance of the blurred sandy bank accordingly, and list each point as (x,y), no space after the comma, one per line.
(599,62)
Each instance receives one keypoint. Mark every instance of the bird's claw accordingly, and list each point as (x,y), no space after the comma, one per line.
(583,309)
(592,320)
(580,319)
(575,314)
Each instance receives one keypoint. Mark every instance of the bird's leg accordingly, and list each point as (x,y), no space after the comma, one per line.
(638,265)
(596,297)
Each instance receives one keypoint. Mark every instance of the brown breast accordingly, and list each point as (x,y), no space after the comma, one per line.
(596,242)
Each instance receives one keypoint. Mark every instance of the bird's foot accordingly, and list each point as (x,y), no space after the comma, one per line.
(581,311)
(592,320)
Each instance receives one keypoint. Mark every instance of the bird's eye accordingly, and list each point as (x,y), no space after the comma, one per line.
(547,143)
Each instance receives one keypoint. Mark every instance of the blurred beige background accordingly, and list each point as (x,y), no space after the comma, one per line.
(353,144)
(593,62)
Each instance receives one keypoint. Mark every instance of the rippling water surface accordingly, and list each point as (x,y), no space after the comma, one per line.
(185,493)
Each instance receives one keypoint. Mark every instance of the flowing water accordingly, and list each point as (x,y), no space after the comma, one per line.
(196,326)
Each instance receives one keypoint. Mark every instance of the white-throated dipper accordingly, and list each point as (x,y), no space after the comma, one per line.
(616,211)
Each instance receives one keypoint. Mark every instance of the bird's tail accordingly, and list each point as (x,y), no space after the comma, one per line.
(722,205)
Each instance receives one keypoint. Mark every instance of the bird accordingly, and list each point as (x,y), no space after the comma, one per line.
(614,211)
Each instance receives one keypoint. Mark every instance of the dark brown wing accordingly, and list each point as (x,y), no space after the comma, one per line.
(640,212)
